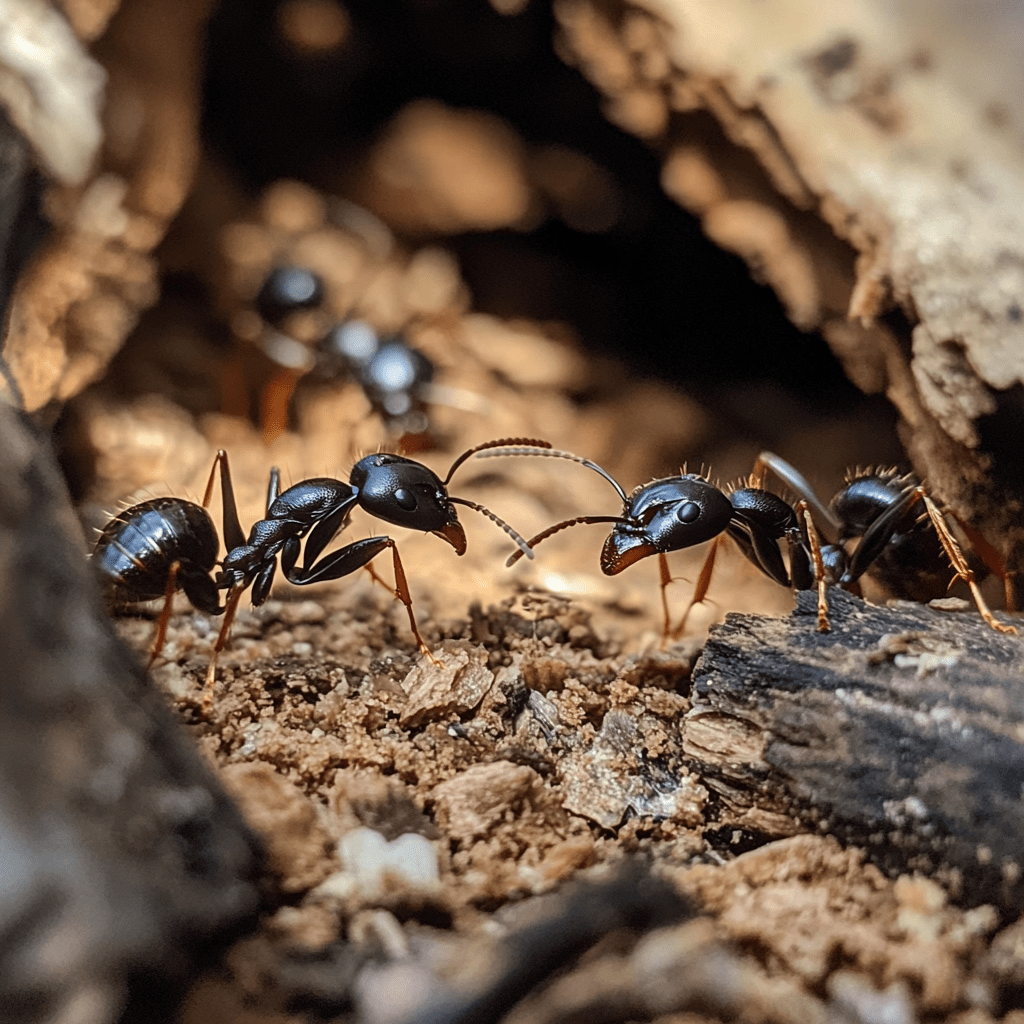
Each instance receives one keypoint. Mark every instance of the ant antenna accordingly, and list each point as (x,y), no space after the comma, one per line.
(524,546)
(517,447)
(526,443)
(534,541)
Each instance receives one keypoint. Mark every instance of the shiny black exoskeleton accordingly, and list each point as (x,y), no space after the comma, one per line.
(394,376)
(163,545)
(883,523)
(137,549)
(389,487)
(880,512)
(286,290)
(680,511)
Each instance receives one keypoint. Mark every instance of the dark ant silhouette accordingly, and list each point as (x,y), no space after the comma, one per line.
(396,377)
(389,487)
(164,545)
(909,551)
(680,511)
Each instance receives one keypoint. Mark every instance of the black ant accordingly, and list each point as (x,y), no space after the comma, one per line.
(164,545)
(680,511)
(898,543)
(396,377)
(389,487)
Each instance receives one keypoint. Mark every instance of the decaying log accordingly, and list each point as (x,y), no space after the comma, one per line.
(122,861)
(901,731)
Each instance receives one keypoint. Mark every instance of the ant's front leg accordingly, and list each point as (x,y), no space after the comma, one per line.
(700,591)
(346,561)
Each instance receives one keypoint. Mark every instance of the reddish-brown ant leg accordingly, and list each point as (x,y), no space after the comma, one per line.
(959,563)
(666,579)
(701,590)
(396,592)
(160,635)
(811,532)
(401,591)
(991,557)
(377,578)
(230,607)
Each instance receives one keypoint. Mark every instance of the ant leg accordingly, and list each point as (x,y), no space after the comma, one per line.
(355,556)
(959,563)
(811,532)
(403,595)
(160,635)
(666,579)
(230,607)
(701,590)
(991,558)
(377,578)
(277,394)
(233,535)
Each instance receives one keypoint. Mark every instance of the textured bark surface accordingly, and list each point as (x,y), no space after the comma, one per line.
(900,731)
(114,192)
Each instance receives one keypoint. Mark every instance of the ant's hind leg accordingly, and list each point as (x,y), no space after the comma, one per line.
(160,633)
(230,607)
(992,559)
(959,563)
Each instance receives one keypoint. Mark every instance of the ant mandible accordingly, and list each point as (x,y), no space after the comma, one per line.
(164,545)
(678,512)
(880,510)
(389,487)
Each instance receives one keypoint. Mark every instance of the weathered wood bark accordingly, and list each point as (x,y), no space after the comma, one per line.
(901,731)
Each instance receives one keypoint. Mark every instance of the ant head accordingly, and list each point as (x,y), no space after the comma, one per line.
(666,515)
(407,493)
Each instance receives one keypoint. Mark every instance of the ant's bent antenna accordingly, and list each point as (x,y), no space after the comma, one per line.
(534,541)
(524,547)
(517,442)
(532,448)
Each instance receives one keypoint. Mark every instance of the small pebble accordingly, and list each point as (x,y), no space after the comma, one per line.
(368,856)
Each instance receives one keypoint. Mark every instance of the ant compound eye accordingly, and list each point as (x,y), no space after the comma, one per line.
(688,513)
(405,499)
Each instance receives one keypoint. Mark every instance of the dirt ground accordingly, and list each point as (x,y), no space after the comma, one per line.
(417,814)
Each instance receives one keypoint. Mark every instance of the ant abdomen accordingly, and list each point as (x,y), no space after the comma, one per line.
(139,548)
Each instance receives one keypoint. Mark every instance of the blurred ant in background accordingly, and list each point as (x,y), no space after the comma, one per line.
(396,378)
(309,331)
